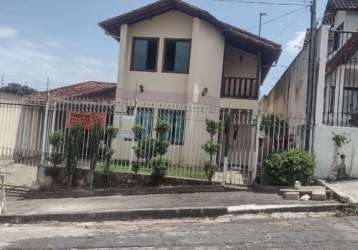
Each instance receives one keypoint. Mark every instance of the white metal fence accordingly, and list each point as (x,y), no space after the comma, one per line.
(244,141)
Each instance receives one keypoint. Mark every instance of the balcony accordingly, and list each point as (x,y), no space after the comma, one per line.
(239,87)
(341,81)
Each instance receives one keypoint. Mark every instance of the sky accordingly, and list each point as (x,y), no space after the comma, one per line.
(61,40)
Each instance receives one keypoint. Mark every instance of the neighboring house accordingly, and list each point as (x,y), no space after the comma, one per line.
(335,92)
(22,119)
(91,90)
(174,55)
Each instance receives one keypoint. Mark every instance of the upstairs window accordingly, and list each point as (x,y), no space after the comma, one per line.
(144,54)
(176,56)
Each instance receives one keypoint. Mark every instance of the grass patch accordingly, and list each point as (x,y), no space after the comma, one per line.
(173,171)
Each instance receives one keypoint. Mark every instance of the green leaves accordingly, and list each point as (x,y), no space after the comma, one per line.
(56,139)
(340,140)
(286,167)
(211,147)
(152,149)
(213,127)
(138,131)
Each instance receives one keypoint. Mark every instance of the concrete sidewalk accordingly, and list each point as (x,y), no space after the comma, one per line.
(344,189)
(19,206)
(158,206)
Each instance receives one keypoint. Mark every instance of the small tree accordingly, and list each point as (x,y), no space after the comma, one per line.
(111,134)
(160,147)
(56,140)
(152,150)
(139,149)
(93,151)
(72,152)
(211,148)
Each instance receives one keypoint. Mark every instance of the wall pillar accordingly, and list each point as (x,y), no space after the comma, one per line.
(193,78)
(321,78)
(122,58)
(120,108)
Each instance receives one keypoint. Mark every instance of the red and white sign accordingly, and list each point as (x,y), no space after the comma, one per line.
(85,119)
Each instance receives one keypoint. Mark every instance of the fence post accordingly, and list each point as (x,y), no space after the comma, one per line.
(257,142)
(54,112)
(44,134)
(2,196)
(225,170)
(133,141)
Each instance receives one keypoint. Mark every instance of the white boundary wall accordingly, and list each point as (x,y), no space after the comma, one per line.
(324,149)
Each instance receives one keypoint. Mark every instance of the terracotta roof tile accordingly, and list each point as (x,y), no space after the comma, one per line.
(90,89)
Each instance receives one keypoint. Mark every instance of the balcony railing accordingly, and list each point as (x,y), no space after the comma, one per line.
(341,83)
(239,87)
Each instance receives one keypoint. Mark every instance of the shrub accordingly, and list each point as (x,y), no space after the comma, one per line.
(152,150)
(111,134)
(56,140)
(73,152)
(211,147)
(286,167)
(93,151)
(135,168)
(159,169)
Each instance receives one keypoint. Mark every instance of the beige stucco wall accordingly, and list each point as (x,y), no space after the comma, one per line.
(206,62)
(234,67)
(169,89)
(289,94)
(168,25)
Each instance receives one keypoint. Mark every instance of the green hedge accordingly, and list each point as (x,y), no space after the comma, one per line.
(286,167)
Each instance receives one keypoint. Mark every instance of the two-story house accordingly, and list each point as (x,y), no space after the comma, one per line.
(175,56)
(334,108)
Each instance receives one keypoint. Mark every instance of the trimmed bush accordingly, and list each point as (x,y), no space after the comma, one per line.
(286,167)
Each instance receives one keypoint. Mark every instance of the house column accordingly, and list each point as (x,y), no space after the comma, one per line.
(122,58)
(193,78)
(120,108)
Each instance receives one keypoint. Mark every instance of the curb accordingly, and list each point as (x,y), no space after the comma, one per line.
(167,213)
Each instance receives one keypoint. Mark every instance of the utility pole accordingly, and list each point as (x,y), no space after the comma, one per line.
(2,80)
(260,23)
(311,74)
(47,88)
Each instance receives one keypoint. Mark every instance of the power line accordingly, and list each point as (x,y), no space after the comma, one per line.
(277,18)
(266,2)
(288,25)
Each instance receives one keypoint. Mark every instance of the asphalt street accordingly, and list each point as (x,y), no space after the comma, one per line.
(284,231)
